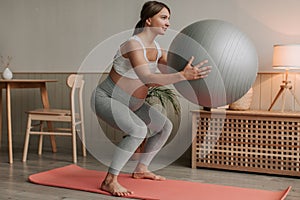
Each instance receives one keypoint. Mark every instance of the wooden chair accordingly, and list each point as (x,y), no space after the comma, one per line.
(55,117)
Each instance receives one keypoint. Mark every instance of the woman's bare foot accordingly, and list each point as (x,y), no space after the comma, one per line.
(147,175)
(111,185)
(141,172)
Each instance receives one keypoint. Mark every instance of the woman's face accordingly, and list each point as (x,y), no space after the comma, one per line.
(159,22)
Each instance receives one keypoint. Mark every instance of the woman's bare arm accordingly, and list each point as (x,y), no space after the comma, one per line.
(140,65)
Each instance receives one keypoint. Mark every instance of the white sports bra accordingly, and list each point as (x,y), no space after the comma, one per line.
(123,66)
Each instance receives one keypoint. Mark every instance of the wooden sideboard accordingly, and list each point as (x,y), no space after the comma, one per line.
(253,141)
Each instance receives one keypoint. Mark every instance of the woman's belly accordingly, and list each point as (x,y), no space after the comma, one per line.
(133,87)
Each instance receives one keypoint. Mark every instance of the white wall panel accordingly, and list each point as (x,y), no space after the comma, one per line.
(265,88)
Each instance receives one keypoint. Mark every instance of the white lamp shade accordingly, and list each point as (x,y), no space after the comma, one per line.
(286,56)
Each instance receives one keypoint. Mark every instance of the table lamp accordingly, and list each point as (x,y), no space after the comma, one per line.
(286,56)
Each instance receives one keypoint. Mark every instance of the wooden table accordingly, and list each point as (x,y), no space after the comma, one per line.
(21,83)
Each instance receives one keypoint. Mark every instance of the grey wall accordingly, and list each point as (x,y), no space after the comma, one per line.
(57,35)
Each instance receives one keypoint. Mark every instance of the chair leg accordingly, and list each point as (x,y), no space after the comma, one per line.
(40,149)
(74,143)
(83,140)
(40,145)
(27,135)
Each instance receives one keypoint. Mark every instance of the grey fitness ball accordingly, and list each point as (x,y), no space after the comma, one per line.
(231,54)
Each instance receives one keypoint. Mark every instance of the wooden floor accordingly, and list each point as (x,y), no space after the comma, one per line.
(14,184)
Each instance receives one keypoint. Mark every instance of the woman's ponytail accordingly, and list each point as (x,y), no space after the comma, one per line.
(139,27)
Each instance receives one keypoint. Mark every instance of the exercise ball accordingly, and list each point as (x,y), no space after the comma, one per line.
(231,54)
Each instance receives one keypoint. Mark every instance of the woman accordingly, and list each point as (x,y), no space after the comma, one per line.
(120,99)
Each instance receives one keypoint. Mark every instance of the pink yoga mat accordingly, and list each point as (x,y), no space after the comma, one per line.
(77,178)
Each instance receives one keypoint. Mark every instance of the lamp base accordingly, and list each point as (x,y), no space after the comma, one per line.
(283,88)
